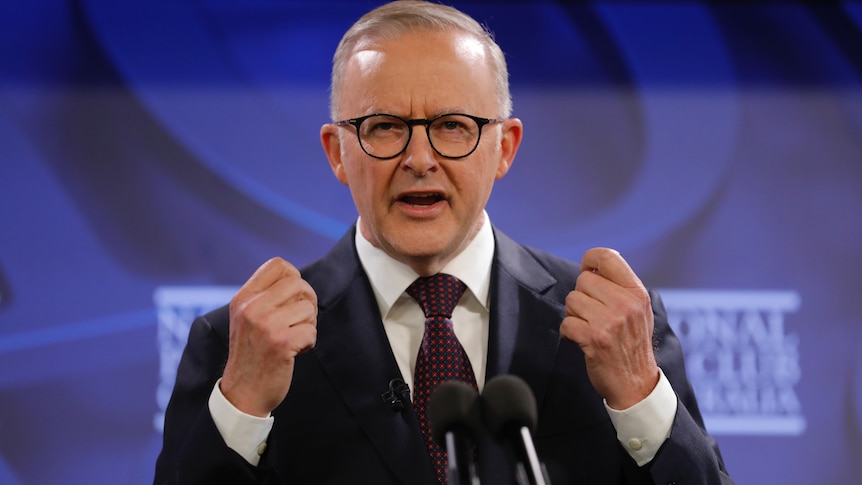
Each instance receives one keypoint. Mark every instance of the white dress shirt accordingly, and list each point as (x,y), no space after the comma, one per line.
(641,428)
(403,318)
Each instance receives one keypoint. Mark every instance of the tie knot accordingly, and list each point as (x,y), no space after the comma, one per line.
(438,294)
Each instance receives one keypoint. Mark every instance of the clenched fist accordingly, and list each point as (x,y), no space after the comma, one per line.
(273,318)
(610,316)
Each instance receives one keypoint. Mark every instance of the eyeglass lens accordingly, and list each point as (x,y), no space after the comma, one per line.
(452,136)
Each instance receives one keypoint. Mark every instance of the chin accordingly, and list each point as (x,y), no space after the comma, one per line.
(420,244)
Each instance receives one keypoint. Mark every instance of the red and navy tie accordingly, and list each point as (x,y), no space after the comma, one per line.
(441,357)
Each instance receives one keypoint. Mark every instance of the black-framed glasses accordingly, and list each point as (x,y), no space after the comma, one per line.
(385,136)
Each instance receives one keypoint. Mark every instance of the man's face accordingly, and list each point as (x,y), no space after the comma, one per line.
(420,207)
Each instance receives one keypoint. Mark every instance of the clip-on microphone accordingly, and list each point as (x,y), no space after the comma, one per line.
(396,395)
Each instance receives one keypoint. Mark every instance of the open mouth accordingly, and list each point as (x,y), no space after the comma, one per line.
(421,199)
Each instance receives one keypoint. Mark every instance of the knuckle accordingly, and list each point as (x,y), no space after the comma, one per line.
(308,293)
(278,261)
(282,266)
(603,340)
(602,254)
(582,279)
(631,308)
(240,310)
(309,309)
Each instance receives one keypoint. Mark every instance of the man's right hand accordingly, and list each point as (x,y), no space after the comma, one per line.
(273,318)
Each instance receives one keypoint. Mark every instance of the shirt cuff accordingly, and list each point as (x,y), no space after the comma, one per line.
(243,433)
(644,427)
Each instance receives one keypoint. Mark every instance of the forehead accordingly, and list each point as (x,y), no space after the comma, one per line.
(419,73)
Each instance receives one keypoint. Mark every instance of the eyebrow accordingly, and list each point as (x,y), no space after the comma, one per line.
(431,115)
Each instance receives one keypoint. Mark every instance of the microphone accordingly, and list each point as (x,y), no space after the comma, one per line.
(396,395)
(509,410)
(453,413)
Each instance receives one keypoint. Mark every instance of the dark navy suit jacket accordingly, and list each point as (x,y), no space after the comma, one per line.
(334,428)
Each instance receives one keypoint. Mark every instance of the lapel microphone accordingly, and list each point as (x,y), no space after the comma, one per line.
(396,395)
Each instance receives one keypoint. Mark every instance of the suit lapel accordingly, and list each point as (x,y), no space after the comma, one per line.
(523,337)
(354,351)
(524,332)
(353,348)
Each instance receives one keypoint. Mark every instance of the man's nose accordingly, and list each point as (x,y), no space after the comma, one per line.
(419,155)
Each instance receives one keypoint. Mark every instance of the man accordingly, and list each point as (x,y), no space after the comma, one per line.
(284,385)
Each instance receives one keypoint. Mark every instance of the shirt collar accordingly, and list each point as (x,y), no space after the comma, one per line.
(390,278)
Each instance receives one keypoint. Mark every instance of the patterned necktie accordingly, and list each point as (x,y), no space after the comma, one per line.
(441,357)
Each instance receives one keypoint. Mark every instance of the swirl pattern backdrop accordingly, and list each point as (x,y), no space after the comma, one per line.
(153,154)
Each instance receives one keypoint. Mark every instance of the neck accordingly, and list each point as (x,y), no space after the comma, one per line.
(424,264)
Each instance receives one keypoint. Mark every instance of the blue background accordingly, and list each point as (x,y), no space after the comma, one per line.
(175,143)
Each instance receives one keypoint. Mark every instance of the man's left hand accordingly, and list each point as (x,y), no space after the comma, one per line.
(610,316)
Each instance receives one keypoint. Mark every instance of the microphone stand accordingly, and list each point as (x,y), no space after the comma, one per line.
(538,475)
(454,416)
(509,413)
(460,469)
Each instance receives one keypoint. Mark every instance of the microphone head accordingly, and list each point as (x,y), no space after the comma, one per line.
(508,405)
(454,406)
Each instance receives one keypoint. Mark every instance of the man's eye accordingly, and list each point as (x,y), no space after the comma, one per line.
(383,126)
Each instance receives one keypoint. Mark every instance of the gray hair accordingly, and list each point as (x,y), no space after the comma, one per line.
(397,18)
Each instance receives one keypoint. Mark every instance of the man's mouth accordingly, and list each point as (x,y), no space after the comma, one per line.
(421,199)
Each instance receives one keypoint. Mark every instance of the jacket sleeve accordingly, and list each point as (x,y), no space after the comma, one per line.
(193,451)
(690,454)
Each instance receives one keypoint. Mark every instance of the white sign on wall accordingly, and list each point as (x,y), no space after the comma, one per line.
(743,363)
(740,358)
(177,307)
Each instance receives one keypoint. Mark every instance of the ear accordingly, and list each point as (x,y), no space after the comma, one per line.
(513,131)
(332,147)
